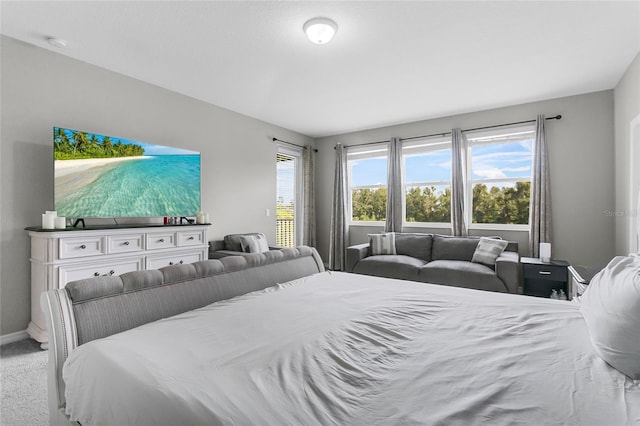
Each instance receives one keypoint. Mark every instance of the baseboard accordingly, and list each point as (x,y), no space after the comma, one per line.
(13,337)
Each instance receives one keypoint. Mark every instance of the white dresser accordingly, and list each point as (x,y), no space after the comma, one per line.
(63,255)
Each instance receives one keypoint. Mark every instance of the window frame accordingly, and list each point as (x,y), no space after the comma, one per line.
(424,145)
(434,143)
(298,193)
(377,150)
(493,134)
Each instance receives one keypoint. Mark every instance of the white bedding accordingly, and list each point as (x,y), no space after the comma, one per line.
(347,349)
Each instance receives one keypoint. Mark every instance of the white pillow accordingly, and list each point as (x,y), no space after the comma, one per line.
(611,309)
(254,243)
(488,250)
(383,243)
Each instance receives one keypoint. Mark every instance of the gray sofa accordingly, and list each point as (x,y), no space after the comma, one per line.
(439,259)
(231,246)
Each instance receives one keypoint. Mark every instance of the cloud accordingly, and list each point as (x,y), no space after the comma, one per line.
(489,173)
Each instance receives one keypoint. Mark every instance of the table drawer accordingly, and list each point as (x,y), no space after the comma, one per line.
(74,273)
(125,243)
(157,262)
(70,248)
(545,272)
(159,241)
(190,238)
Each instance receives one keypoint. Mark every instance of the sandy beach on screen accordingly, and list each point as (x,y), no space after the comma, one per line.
(72,175)
(65,167)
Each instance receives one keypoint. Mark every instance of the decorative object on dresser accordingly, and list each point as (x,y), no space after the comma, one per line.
(472,262)
(544,279)
(61,256)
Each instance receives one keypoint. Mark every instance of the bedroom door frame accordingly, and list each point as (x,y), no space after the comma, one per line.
(634,186)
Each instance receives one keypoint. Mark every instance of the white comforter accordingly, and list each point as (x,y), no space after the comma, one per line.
(346,349)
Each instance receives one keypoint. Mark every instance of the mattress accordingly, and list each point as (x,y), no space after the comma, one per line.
(337,348)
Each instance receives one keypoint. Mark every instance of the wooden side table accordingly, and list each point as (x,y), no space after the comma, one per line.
(541,278)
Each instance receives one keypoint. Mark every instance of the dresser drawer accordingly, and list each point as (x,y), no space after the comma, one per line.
(73,273)
(190,238)
(159,241)
(70,248)
(125,243)
(157,262)
(545,272)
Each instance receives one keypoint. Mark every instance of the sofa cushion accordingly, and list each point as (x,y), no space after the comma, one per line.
(233,242)
(254,243)
(390,266)
(415,245)
(384,243)
(453,248)
(488,250)
(460,273)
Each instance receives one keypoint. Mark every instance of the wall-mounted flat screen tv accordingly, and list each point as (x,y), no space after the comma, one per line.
(99,176)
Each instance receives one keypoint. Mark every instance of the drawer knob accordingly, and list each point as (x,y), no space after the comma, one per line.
(126,243)
(96,274)
(83,246)
(545,272)
(161,240)
(190,238)
(181,262)
(170,263)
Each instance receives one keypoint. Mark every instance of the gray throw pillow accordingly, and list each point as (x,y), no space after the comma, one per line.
(488,250)
(383,243)
(254,243)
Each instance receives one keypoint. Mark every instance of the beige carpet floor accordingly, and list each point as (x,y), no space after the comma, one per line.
(23,384)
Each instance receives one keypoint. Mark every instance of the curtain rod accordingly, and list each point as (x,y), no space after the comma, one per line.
(555,117)
(291,143)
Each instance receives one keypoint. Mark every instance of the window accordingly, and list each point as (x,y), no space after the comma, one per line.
(500,166)
(288,197)
(427,180)
(367,183)
(499,162)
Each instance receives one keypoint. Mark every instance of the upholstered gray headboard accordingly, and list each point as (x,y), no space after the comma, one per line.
(93,308)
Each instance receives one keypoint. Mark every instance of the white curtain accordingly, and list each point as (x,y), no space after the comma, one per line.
(339,229)
(458,182)
(394,187)
(309,205)
(540,205)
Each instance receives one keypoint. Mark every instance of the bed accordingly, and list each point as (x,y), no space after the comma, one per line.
(335,348)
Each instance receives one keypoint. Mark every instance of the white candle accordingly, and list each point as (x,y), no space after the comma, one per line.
(48,221)
(545,252)
(60,222)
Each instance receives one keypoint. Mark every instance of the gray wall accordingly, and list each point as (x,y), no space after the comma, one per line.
(581,148)
(41,89)
(627,107)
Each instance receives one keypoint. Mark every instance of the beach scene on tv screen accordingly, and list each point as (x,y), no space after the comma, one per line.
(103,176)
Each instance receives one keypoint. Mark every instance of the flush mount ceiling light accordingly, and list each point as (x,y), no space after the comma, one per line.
(57,42)
(320,30)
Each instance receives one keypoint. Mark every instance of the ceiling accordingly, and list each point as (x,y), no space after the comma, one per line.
(389,63)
